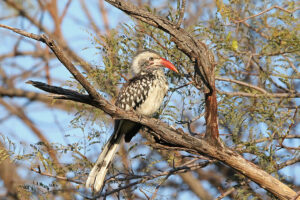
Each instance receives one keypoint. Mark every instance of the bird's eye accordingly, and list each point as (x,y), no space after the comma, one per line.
(151,58)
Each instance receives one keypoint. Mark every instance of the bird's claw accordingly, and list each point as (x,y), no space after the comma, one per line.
(140,117)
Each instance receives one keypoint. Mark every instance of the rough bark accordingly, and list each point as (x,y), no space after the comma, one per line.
(169,135)
(194,49)
(176,137)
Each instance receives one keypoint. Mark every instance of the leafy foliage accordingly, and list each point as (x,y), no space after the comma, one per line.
(258,50)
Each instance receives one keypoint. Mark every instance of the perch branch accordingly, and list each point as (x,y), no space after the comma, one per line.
(165,133)
(179,138)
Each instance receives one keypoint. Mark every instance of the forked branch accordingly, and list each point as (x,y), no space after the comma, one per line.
(170,135)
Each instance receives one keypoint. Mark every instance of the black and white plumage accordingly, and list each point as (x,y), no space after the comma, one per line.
(143,93)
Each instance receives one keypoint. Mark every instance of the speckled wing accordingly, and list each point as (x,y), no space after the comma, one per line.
(132,95)
(135,92)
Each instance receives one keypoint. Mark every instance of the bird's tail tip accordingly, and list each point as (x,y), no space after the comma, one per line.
(95,181)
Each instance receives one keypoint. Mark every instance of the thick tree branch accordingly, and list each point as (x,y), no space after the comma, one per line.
(177,137)
(195,50)
(62,58)
(167,134)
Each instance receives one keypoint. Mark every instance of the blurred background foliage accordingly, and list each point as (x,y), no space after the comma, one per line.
(256,47)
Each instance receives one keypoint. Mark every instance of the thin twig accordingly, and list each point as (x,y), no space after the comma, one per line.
(56,176)
(61,18)
(85,65)
(267,10)
(181,12)
(148,198)
(89,16)
(230,190)
(62,57)
(288,148)
(255,62)
(24,33)
(184,85)
(268,139)
(144,178)
(242,83)
(288,163)
(226,193)
(104,16)
(291,64)
(270,95)
(158,186)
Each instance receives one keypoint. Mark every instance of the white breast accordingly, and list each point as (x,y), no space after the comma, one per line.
(155,97)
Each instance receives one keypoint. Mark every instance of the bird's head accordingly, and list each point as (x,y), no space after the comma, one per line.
(147,59)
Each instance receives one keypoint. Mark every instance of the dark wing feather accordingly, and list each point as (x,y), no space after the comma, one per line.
(132,95)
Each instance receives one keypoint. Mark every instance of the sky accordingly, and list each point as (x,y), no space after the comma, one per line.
(79,38)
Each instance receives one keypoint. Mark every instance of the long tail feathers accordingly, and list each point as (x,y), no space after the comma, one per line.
(98,173)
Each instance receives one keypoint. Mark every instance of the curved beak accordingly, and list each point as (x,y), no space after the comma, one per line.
(168,64)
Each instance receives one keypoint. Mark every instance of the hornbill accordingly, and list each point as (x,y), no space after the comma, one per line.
(143,93)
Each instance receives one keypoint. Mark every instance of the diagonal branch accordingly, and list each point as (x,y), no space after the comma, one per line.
(23,12)
(242,83)
(196,50)
(193,48)
(165,133)
(267,10)
(62,58)
(176,137)
(256,95)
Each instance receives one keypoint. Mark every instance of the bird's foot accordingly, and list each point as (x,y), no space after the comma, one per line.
(140,117)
